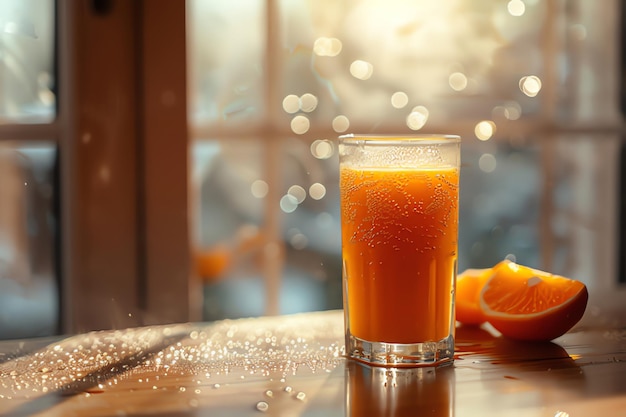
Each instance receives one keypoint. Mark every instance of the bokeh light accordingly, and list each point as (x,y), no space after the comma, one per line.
(457,81)
(297,192)
(417,118)
(291,103)
(530,85)
(498,112)
(516,7)
(259,189)
(327,46)
(308,102)
(317,191)
(300,124)
(485,129)
(322,149)
(399,99)
(299,241)
(512,110)
(341,123)
(361,69)
(288,203)
(487,162)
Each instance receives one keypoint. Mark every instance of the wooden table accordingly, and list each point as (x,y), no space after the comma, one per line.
(293,366)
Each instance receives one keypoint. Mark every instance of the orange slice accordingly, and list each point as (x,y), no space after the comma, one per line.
(469,283)
(528,304)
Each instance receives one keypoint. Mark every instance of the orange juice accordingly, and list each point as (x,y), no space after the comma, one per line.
(399,238)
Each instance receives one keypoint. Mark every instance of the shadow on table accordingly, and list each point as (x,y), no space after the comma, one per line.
(477,346)
(11,349)
(544,368)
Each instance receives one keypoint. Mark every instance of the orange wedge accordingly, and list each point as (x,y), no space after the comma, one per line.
(527,304)
(469,283)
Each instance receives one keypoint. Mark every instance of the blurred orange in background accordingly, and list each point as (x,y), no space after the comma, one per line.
(213,262)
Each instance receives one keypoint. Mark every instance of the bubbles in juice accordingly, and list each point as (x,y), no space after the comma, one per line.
(399,237)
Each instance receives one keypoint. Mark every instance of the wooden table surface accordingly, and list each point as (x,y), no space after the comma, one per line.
(293,366)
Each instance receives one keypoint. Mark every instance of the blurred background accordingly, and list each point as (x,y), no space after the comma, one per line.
(170,161)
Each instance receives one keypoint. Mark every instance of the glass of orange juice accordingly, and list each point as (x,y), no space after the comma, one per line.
(399,229)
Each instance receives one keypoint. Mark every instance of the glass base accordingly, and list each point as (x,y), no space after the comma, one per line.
(401,355)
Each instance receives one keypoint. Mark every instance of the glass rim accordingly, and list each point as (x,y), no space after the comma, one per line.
(430,138)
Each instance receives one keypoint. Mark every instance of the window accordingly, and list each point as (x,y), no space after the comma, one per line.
(128,149)
(530,86)
(93,233)
(29,290)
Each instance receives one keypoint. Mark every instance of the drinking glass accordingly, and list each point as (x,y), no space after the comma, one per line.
(399,220)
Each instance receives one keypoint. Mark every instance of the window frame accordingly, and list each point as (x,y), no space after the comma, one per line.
(124,256)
